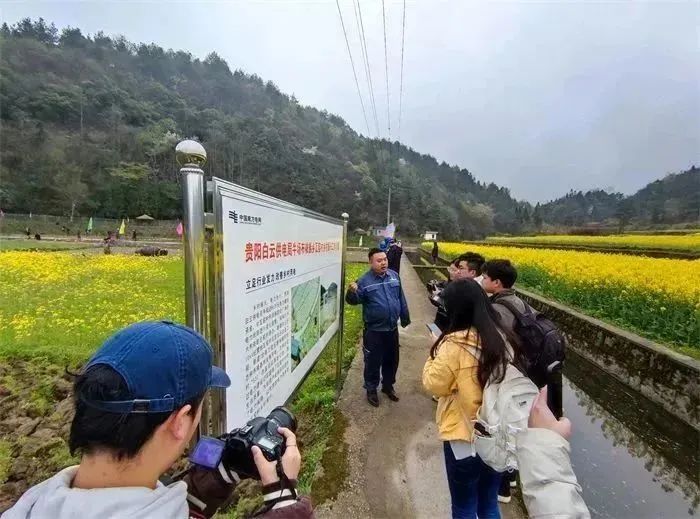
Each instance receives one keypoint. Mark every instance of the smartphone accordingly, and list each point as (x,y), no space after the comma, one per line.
(481,429)
(433,328)
(554,389)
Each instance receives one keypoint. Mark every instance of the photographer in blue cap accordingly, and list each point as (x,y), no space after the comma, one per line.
(138,403)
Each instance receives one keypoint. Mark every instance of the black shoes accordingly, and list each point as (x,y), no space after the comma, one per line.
(372,398)
(391,394)
(508,482)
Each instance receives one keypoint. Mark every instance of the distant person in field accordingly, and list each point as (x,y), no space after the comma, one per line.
(393,255)
(133,235)
(28,232)
(383,305)
(434,253)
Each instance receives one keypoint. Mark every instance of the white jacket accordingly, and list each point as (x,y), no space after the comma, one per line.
(55,499)
(549,485)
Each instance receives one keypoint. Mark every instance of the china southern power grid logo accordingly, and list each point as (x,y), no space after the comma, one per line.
(244,218)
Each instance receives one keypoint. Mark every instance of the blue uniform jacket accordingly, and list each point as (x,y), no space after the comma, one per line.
(382,300)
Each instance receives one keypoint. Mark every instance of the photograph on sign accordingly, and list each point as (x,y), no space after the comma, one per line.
(281,276)
(306,306)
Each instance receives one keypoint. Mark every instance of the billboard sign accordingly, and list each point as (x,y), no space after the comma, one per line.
(280,278)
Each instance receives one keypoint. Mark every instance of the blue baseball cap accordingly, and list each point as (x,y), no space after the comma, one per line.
(163,364)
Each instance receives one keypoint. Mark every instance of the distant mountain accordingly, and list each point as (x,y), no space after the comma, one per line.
(674,199)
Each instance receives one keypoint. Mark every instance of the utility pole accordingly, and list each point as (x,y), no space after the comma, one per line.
(388,203)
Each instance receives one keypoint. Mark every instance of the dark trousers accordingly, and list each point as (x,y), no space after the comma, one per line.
(381,352)
(473,487)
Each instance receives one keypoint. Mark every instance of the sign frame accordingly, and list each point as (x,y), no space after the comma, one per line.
(217,321)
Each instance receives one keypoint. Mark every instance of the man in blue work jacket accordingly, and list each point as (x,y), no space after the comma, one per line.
(383,304)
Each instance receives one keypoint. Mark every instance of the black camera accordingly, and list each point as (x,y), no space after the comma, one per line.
(234,449)
(435,289)
(434,286)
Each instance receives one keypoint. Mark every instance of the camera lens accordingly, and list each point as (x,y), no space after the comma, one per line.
(283,417)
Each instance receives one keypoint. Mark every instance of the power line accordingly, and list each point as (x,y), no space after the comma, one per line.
(403,34)
(386,72)
(352,63)
(365,56)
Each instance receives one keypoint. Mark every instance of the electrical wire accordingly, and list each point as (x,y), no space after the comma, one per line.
(352,63)
(365,57)
(403,39)
(386,72)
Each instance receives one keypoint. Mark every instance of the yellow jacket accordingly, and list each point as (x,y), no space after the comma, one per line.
(452,376)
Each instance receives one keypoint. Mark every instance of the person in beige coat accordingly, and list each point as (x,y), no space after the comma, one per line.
(549,485)
(458,378)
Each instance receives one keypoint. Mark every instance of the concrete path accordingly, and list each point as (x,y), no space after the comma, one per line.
(395,456)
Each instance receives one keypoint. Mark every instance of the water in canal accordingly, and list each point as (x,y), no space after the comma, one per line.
(632,458)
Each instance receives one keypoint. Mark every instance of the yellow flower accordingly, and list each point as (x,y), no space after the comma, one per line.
(686,242)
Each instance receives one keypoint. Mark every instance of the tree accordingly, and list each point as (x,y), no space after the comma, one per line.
(624,214)
(70,187)
(72,37)
(476,221)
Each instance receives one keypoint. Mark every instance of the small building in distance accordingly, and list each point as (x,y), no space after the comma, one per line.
(376,231)
(430,235)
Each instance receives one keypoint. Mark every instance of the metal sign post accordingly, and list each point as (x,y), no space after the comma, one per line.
(192,156)
(341,295)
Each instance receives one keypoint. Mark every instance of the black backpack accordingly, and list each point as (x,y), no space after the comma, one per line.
(541,341)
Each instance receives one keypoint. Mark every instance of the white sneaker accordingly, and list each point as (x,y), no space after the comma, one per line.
(503,499)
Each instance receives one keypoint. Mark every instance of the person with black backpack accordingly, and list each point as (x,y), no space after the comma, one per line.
(499,276)
(540,340)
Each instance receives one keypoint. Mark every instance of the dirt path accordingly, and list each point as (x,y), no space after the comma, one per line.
(396,460)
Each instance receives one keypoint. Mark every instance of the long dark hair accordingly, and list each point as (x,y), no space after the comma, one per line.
(468,306)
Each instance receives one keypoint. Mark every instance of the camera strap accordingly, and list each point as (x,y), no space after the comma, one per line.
(282,490)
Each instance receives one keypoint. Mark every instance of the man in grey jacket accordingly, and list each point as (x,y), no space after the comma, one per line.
(549,485)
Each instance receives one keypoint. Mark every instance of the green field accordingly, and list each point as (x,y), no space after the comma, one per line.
(62,305)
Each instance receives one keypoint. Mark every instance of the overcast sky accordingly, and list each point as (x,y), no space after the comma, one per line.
(538,97)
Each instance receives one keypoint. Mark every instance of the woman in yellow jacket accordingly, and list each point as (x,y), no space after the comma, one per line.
(458,378)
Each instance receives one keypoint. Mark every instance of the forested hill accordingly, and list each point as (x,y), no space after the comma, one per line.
(674,199)
(93,121)
(90,122)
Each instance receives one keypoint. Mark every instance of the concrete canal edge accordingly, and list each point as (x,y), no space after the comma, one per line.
(662,375)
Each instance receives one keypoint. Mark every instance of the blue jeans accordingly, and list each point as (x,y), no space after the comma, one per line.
(473,487)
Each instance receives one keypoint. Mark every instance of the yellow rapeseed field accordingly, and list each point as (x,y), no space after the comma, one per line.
(61,304)
(659,298)
(687,242)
